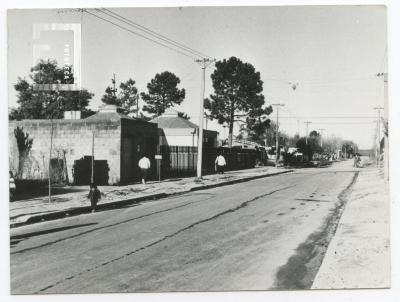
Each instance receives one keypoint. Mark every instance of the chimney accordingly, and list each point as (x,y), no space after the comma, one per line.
(72,115)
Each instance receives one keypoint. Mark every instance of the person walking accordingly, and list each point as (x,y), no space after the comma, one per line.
(144,165)
(355,165)
(220,164)
(12,186)
(94,196)
(358,164)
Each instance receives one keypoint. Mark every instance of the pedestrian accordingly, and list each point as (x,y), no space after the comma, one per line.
(359,161)
(220,164)
(94,196)
(355,161)
(144,165)
(12,186)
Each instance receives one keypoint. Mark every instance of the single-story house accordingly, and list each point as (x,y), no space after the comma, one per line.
(174,130)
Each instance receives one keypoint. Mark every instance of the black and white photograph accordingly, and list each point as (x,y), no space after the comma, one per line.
(187,148)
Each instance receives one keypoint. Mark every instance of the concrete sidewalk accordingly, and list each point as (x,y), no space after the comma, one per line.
(359,254)
(76,202)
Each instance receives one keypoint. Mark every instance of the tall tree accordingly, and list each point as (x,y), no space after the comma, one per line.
(40,104)
(237,93)
(128,97)
(109,97)
(163,93)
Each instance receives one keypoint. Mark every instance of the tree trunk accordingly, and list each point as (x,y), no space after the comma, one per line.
(230,139)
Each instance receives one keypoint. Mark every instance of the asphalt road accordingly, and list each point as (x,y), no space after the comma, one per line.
(269,233)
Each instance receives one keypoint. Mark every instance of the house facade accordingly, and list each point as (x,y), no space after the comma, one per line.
(177,131)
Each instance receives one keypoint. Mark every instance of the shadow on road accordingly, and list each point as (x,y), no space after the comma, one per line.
(14,240)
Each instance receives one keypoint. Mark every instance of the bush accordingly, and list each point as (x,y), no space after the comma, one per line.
(289,158)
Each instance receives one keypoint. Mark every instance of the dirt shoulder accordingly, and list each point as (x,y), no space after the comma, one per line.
(359,254)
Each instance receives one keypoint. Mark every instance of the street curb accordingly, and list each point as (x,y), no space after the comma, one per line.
(125,202)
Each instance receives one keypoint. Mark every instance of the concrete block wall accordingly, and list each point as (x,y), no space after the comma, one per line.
(72,136)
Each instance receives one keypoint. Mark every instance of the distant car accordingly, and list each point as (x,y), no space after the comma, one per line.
(12,186)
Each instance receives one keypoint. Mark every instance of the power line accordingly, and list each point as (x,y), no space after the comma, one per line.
(329,117)
(338,123)
(295,84)
(153,33)
(140,35)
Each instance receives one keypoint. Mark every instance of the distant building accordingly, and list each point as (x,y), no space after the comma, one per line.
(119,141)
(177,131)
(245,144)
(366,152)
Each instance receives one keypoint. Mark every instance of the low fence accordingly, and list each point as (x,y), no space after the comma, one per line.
(180,161)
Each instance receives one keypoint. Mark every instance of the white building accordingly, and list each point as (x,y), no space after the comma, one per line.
(177,131)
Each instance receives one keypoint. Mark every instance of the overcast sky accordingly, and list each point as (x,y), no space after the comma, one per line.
(332,52)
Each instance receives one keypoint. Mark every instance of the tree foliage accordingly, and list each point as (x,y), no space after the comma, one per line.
(109,97)
(237,95)
(349,148)
(126,99)
(144,117)
(183,115)
(162,93)
(311,145)
(257,125)
(39,104)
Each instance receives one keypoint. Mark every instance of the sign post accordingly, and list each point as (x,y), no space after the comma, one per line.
(158,158)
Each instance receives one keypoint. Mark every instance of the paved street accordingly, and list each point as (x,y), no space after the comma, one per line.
(262,234)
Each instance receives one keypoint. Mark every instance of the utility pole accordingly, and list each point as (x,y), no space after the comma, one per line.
(137,106)
(277,131)
(50,151)
(206,117)
(379,108)
(204,64)
(321,130)
(113,82)
(51,145)
(92,174)
(307,123)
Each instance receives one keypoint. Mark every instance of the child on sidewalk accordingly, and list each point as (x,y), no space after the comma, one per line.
(94,196)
